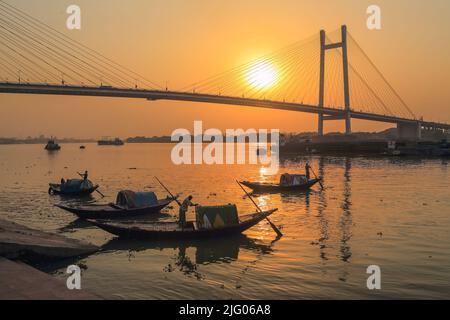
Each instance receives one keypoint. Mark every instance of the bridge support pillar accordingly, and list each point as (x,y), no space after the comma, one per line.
(348,127)
(320,125)
(348,123)
(323,47)
(409,131)
(321,81)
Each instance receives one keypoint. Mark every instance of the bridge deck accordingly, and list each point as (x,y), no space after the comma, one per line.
(104,91)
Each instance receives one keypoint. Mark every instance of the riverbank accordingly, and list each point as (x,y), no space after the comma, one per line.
(23,243)
(372,148)
(18,280)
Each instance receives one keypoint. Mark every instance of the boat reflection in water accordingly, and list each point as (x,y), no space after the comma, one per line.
(344,221)
(331,227)
(219,250)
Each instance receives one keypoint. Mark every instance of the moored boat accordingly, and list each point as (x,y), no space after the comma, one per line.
(288,182)
(172,230)
(73,187)
(128,204)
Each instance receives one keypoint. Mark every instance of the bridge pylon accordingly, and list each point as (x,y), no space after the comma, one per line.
(323,47)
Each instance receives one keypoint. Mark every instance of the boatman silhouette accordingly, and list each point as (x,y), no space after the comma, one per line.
(183,209)
(307,167)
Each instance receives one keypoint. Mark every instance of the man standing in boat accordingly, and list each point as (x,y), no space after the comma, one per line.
(183,209)
(307,167)
(85,175)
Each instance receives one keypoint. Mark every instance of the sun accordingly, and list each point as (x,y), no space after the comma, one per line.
(262,75)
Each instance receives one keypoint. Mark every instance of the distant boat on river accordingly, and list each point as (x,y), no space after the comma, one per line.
(52,145)
(109,142)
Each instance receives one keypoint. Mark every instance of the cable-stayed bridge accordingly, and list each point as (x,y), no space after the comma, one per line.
(328,75)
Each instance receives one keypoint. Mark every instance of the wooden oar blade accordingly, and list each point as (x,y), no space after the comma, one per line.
(320,179)
(274,227)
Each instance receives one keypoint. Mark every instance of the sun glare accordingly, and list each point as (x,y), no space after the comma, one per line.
(262,75)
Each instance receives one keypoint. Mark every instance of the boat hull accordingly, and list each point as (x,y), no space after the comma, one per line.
(171,230)
(266,187)
(56,189)
(111,212)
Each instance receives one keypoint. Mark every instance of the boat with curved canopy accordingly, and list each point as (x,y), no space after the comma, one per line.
(288,182)
(73,187)
(173,230)
(128,204)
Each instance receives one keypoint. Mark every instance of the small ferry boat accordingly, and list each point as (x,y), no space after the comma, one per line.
(109,142)
(52,145)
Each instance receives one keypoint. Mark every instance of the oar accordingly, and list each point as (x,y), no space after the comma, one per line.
(170,193)
(82,175)
(320,182)
(274,227)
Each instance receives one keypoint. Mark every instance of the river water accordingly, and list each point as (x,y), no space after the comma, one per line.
(393,213)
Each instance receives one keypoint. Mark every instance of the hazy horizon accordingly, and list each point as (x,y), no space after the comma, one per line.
(181,42)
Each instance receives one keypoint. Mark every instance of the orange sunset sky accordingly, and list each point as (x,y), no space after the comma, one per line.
(184,41)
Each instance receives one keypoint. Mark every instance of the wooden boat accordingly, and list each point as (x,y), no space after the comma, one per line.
(55,188)
(113,211)
(172,230)
(275,187)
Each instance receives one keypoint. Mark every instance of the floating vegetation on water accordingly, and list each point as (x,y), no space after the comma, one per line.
(169,268)
(185,265)
(130,255)
(82,265)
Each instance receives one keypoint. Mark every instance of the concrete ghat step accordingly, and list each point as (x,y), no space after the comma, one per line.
(16,240)
(19,281)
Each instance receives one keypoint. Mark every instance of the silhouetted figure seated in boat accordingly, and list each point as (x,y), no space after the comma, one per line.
(63,182)
(287,180)
(183,209)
